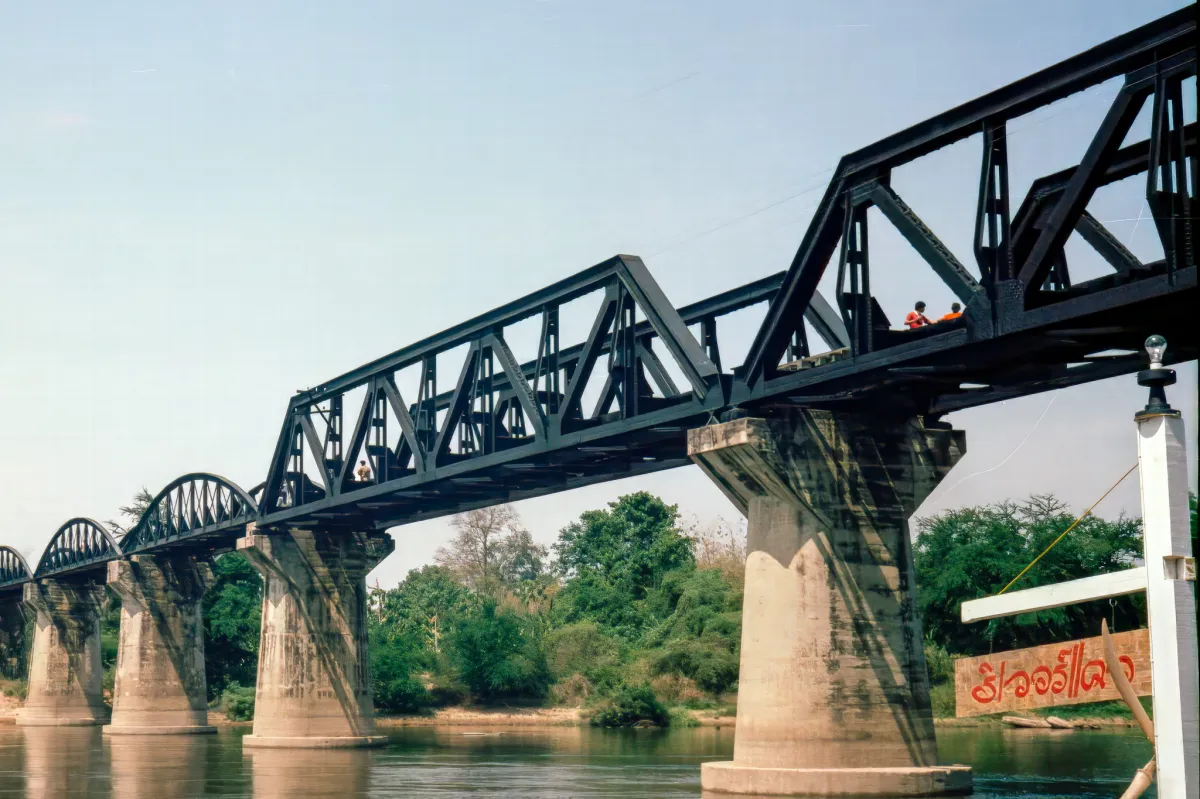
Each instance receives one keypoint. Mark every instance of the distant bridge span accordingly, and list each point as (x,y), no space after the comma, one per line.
(619,402)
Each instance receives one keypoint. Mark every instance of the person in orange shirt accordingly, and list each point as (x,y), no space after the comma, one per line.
(955,312)
(917,318)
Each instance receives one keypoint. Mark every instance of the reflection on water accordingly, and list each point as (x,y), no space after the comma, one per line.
(299,774)
(533,763)
(156,766)
(58,760)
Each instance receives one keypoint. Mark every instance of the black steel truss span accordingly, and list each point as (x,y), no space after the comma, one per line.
(1026,289)
(619,402)
(78,545)
(509,430)
(191,510)
(507,427)
(13,569)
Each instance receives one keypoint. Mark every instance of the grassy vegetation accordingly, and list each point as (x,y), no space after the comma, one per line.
(14,688)
(237,703)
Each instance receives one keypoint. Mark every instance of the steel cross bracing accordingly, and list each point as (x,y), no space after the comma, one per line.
(619,402)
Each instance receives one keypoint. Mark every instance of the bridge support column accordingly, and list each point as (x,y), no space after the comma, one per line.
(314,680)
(160,685)
(833,696)
(64,664)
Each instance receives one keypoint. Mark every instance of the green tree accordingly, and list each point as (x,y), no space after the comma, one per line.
(522,560)
(974,552)
(232,621)
(700,638)
(498,654)
(614,559)
(418,612)
(132,513)
(583,648)
(633,706)
(395,672)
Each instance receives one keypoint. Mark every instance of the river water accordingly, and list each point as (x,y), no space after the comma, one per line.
(531,763)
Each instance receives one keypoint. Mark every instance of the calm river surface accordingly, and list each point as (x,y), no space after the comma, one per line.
(532,763)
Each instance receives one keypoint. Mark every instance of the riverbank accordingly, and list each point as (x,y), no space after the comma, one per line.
(460,716)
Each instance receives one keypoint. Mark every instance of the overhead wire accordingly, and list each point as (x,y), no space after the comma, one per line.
(1063,535)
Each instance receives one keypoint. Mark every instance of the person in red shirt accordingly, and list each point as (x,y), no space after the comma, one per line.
(916,318)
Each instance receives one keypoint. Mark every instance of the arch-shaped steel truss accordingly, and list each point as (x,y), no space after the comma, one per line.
(191,508)
(13,568)
(78,544)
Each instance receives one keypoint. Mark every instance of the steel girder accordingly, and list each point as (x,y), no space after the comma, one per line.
(508,429)
(14,571)
(196,510)
(80,544)
(1025,290)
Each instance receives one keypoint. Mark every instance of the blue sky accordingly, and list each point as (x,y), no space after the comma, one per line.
(205,207)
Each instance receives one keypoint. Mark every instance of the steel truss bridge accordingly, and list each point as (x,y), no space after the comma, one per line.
(619,402)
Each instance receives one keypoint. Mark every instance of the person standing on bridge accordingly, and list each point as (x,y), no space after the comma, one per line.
(955,312)
(916,317)
(364,472)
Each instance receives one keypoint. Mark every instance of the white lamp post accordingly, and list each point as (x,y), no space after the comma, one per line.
(1170,578)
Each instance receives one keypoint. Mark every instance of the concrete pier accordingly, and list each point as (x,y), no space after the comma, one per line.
(314,682)
(833,696)
(64,662)
(160,685)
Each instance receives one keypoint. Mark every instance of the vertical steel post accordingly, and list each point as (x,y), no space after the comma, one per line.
(1170,576)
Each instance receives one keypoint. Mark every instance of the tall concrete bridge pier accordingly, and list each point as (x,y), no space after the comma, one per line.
(160,686)
(64,661)
(314,682)
(833,692)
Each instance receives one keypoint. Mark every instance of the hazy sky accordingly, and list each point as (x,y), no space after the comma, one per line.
(205,207)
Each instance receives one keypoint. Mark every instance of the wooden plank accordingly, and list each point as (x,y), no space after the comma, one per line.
(1070,673)
(1102,586)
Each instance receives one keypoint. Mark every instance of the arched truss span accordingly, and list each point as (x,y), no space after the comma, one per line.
(191,508)
(78,544)
(13,568)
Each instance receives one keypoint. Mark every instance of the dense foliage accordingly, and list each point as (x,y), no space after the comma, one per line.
(633,706)
(497,653)
(614,562)
(232,616)
(626,618)
(974,552)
